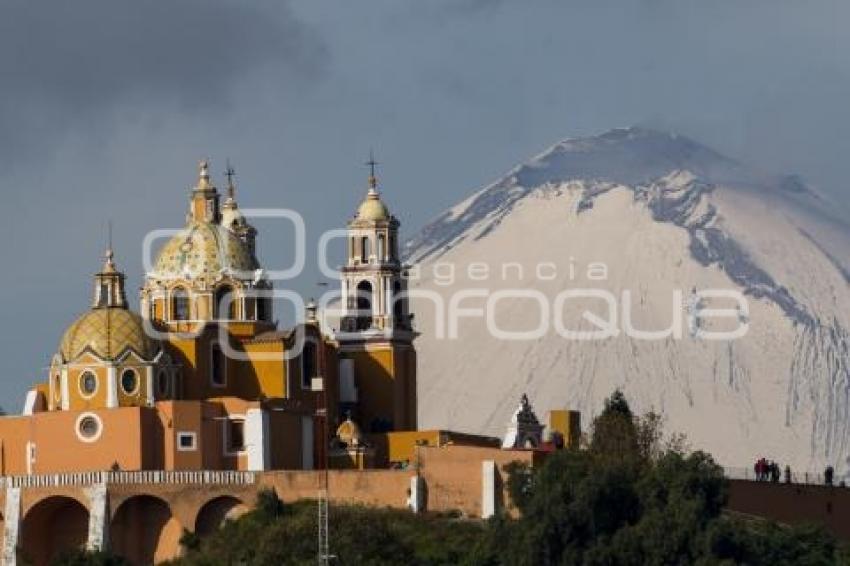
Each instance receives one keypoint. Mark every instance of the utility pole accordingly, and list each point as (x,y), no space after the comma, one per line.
(324,556)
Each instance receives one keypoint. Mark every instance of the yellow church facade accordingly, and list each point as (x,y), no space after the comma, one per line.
(202,378)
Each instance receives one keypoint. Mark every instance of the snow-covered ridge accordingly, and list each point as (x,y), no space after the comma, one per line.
(663,212)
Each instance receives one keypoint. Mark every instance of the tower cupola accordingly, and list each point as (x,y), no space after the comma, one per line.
(109,285)
(205,197)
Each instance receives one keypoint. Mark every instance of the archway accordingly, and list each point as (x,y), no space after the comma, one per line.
(216,511)
(52,527)
(144,531)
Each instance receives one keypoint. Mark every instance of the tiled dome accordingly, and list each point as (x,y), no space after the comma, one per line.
(108,333)
(203,250)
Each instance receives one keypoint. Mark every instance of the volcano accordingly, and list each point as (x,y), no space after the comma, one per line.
(655,222)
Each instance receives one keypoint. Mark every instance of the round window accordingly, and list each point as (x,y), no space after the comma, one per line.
(88,383)
(88,427)
(129,381)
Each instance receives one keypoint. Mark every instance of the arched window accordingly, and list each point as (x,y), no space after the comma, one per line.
(103,298)
(398,304)
(364,305)
(162,383)
(225,303)
(364,249)
(218,366)
(180,304)
(309,364)
(57,388)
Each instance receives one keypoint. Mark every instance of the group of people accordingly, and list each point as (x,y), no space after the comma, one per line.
(769,471)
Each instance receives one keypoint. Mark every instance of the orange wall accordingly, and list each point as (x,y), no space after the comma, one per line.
(453,475)
(58,448)
(176,417)
(381,488)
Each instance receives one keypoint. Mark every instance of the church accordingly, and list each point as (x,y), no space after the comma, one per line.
(202,379)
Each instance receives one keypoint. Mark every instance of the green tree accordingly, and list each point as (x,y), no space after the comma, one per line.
(614,433)
(630,498)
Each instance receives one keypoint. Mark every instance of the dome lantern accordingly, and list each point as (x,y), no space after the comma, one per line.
(205,198)
(109,285)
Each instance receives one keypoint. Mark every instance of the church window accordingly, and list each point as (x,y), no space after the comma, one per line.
(364,305)
(180,303)
(130,382)
(162,383)
(398,304)
(364,249)
(309,364)
(89,427)
(88,383)
(225,303)
(234,436)
(218,369)
(57,388)
(187,441)
(103,295)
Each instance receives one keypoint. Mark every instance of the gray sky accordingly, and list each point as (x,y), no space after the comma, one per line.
(107,105)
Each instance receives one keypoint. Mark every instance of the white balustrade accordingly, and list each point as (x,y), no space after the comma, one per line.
(119,477)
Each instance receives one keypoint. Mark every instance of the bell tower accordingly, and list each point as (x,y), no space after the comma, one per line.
(377,368)
(373,288)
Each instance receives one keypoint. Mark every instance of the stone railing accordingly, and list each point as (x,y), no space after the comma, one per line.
(203,477)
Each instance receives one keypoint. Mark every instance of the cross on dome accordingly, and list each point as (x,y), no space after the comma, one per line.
(373,180)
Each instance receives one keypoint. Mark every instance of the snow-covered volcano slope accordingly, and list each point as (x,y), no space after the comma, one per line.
(664,215)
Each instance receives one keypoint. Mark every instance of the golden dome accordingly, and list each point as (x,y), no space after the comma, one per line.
(203,250)
(372,208)
(349,433)
(108,332)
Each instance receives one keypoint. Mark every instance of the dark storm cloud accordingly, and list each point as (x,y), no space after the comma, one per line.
(64,63)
